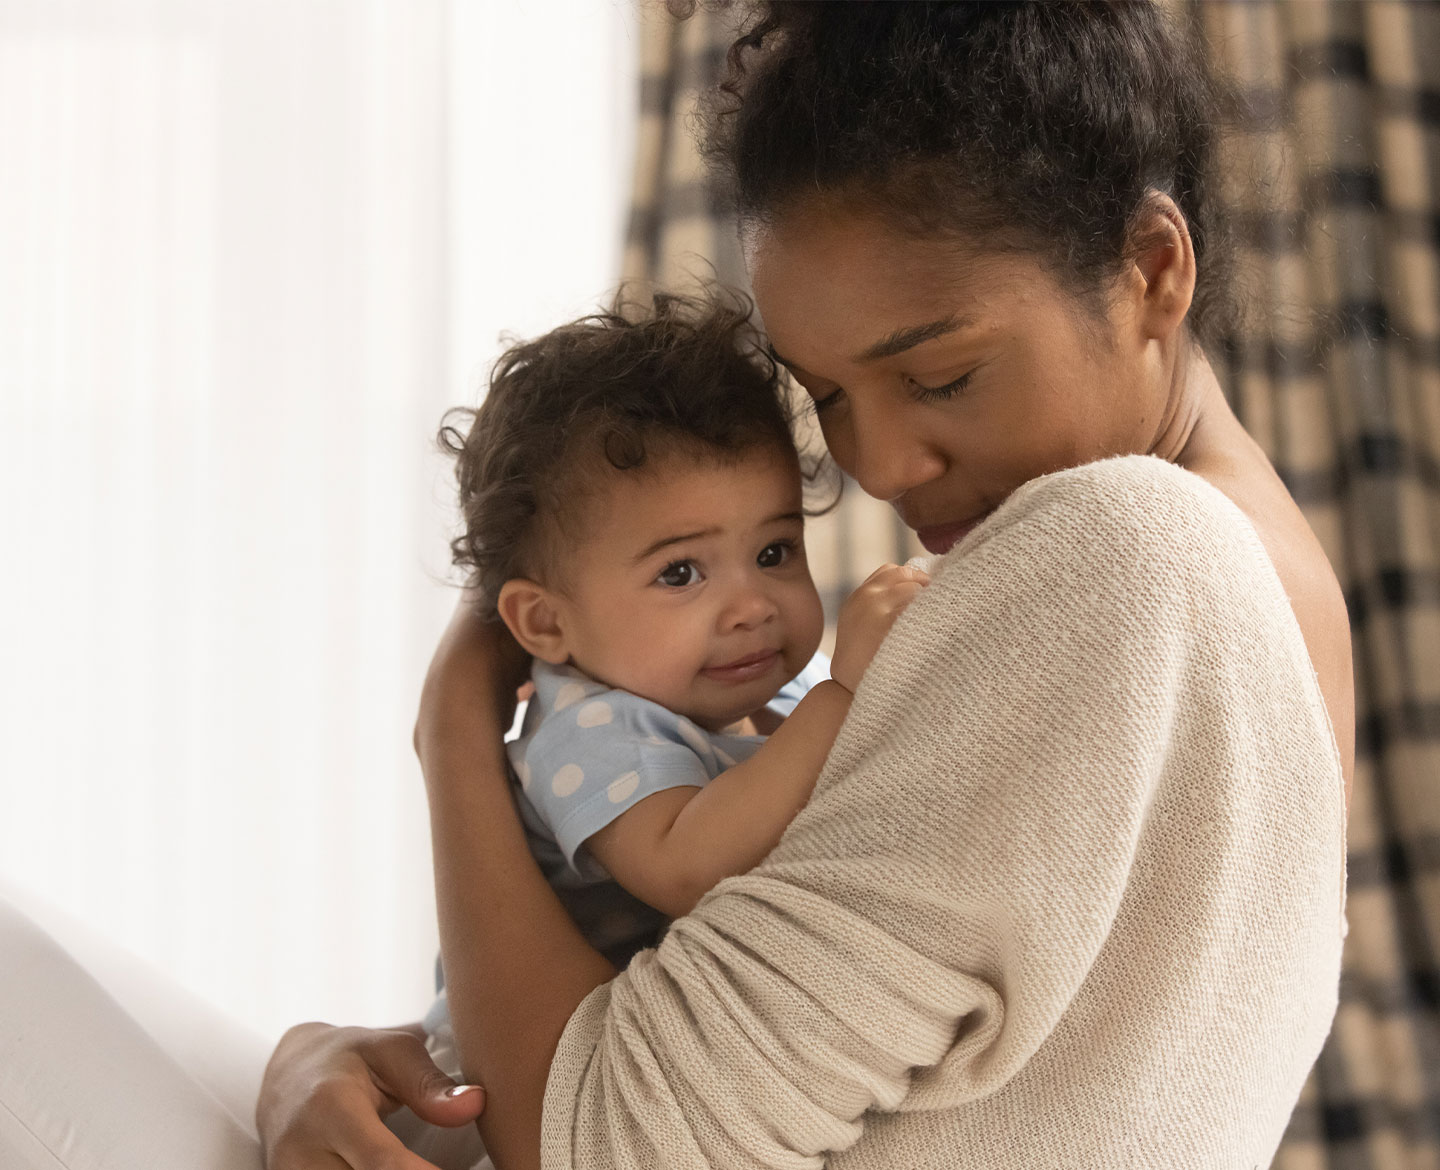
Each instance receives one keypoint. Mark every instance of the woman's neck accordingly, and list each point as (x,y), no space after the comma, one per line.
(1196,414)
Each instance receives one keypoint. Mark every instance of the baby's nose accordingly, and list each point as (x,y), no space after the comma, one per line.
(750,606)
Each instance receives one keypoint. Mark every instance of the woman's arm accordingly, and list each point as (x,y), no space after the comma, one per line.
(516,967)
(326,1089)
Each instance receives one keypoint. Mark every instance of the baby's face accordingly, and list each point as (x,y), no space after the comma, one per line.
(691,588)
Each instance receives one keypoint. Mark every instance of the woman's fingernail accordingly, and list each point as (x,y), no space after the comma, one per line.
(461,1090)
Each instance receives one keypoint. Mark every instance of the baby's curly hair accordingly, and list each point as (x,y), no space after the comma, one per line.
(687,374)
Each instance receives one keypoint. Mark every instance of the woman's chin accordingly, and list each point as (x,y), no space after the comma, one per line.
(941,538)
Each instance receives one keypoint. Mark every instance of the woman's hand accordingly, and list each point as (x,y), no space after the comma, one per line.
(326,1089)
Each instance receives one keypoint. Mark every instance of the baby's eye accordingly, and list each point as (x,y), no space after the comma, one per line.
(772,556)
(678,574)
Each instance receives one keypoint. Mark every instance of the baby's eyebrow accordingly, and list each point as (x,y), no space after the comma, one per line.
(665,541)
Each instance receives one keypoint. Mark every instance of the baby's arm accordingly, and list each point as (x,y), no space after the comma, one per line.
(672,847)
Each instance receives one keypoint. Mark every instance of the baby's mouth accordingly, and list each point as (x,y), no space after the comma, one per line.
(742,669)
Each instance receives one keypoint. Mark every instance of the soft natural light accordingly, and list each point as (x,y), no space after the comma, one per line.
(249,251)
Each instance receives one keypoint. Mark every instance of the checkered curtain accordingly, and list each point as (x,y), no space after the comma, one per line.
(1336,372)
(1337,206)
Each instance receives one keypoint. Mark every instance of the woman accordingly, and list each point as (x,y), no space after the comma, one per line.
(981,238)
(1070,889)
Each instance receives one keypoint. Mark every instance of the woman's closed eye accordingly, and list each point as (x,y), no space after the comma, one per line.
(921,392)
(679,575)
(825,401)
(940,393)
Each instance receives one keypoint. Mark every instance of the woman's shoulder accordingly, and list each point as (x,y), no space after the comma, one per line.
(1131,559)
(1141,494)
(1132,519)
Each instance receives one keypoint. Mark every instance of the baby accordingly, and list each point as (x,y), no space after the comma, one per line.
(633,507)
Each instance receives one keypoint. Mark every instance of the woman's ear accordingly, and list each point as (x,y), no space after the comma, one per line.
(533,615)
(1165,265)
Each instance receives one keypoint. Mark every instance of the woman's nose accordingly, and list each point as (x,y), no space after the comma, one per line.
(884,455)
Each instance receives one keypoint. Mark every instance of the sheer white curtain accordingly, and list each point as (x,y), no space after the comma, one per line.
(249,251)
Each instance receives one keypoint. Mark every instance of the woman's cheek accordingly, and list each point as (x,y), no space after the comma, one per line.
(837,442)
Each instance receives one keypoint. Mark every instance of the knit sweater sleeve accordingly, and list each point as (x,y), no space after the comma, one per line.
(922,926)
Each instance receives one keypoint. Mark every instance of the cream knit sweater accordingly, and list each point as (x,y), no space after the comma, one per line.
(1069,892)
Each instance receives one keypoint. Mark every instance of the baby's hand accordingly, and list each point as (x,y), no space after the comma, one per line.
(867,616)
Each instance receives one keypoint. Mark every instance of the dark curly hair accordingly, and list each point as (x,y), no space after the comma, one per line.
(685,374)
(1041,127)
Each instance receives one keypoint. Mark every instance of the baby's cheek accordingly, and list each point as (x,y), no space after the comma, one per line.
(809,628)
(684,670)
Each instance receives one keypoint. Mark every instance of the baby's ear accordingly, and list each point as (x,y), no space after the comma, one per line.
(533,615)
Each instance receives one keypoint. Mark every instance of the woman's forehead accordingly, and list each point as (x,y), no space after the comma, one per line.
(852,285)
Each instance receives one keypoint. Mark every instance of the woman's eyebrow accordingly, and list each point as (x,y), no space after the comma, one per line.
(911,336)
(897,342)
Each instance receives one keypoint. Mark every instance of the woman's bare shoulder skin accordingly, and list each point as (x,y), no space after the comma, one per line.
(1224,454)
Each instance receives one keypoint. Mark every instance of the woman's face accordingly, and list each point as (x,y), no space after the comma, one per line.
(943,379)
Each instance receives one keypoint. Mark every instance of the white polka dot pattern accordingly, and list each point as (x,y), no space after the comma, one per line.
(587,752)
(571,692)
(622,788)
(595,714)
(566,781)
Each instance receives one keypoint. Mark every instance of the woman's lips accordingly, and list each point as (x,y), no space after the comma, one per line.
(943,537)
(743,669)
